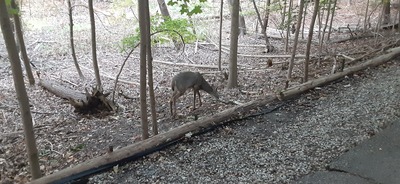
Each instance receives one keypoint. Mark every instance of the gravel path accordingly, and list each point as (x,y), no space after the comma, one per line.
(280,147)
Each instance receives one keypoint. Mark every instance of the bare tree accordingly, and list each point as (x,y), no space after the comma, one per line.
(288,24)
(232,79)
(220,35)
(386,12)
(267,43)
(266,17)
(309,41)
(150,73)
(20,38)
(398,12)
(331,21)
(366,16)
(328,12)
(296,37)
(20,90)
(71,40)
(242,22)
(164,9)
(143,7)
(94,52)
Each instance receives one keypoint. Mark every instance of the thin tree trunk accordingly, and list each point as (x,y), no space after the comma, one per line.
(309,41)
(232,78)
(366,17)
(331,22)
(242,22)
(94,52)
(296,37)
(20,38)
(143,6)
(398,12)
(304,19)
(266,18)
(71,40)
(288,24)
(321,41)
(164,9)
(386,12)
(267,44)
(283,13)
(32,152)
(150,75)
(220,36)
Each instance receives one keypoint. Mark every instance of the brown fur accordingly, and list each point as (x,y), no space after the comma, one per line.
(185,80)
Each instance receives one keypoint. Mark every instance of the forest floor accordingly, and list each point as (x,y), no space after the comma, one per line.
(65,138)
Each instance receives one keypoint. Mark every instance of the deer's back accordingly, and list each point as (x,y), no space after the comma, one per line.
(185,80)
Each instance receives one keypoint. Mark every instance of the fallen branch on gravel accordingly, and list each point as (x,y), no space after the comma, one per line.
(390,54)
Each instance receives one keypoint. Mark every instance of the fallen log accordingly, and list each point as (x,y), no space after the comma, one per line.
(82,102)
(291,92)
(136,150)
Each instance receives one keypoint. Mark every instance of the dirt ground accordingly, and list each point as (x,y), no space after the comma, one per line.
(65,138)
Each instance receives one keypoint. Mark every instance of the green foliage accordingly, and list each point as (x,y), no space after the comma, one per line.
(11,11)
(186,8)
(163,28)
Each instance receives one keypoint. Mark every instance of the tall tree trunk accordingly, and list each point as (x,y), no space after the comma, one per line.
(143,6)
(288,24)
(20,38)
(386,12)
(220,35)
(309,41)
(20,89)
(322,38)
(331,22)
(232,79)
(94,52)
(71,40)
(267,44)
(398,12)
(163,8)
(242,22)
(296,38)
(304,19)
(366,17)
(150,75)
(266,17)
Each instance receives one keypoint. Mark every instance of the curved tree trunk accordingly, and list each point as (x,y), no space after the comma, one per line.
(71,40)
(20,89)
(20,38)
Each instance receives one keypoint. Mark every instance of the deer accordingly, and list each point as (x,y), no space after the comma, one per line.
(182,81)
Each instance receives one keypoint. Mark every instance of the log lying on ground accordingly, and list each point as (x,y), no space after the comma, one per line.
(390,54)
(84,103)
(146,146)
(152,144)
